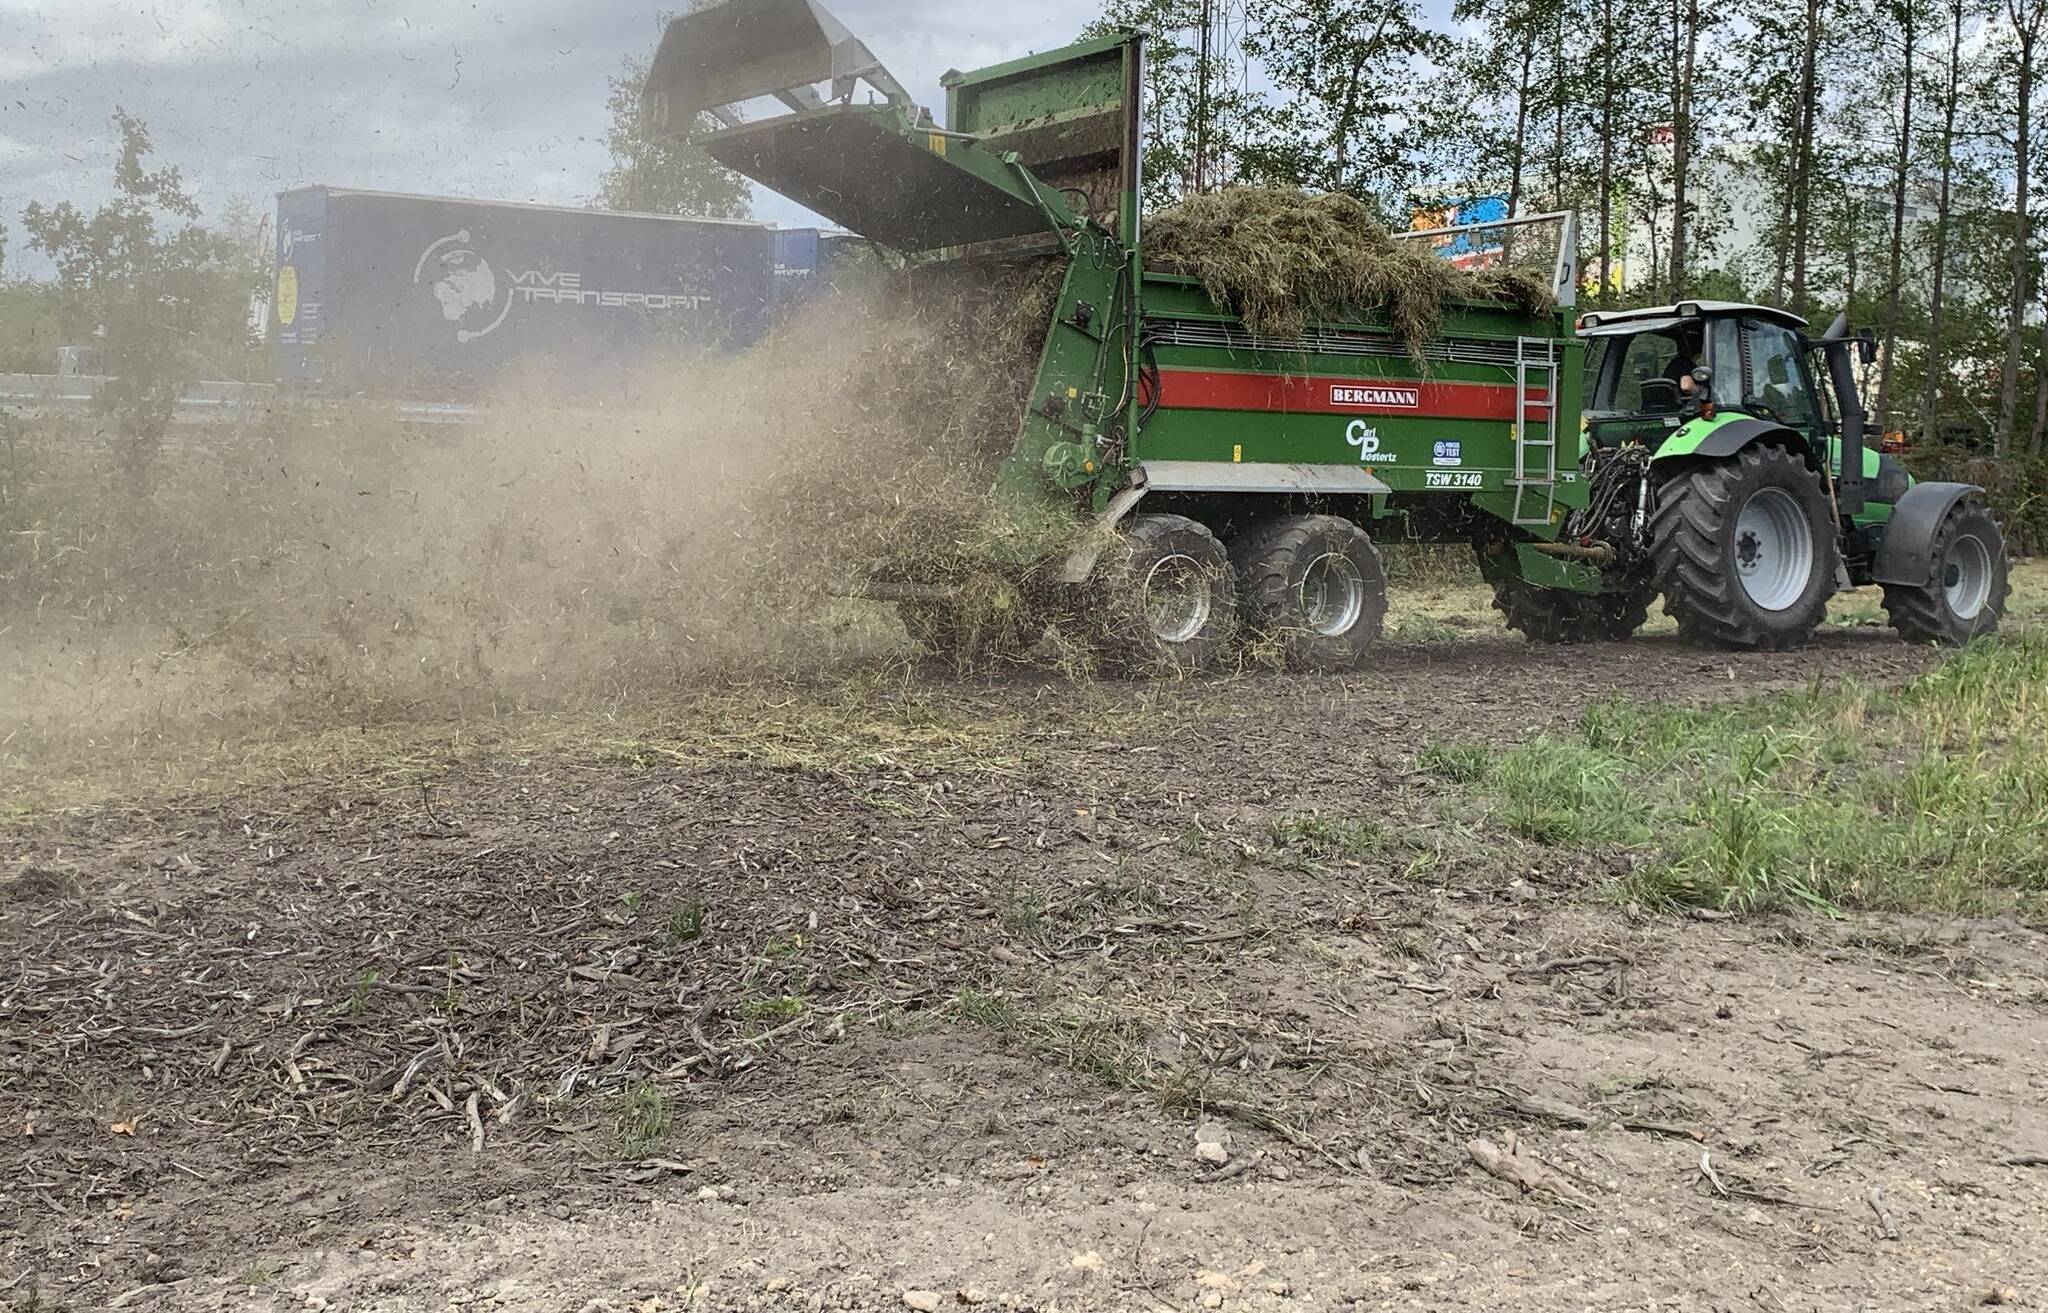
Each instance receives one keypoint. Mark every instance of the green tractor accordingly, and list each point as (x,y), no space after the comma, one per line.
(1724,477)
(1236,484)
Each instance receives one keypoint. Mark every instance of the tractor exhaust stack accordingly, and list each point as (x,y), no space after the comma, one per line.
(1849,485)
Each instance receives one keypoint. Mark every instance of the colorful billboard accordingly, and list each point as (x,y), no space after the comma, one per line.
(1468,250)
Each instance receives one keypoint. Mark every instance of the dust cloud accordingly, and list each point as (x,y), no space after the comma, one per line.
(329,563)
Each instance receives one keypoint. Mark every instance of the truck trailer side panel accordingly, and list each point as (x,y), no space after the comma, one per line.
(397,292)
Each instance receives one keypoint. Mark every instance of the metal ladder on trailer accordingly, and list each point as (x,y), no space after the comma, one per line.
(1536,362)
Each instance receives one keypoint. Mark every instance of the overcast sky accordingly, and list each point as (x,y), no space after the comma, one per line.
(504,100)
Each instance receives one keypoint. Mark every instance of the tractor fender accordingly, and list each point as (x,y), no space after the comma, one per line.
(1717,439)
(1906,556)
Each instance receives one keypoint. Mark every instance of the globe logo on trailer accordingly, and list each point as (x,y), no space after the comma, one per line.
(467,289)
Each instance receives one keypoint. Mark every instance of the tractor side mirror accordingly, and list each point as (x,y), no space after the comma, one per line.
(1866,346)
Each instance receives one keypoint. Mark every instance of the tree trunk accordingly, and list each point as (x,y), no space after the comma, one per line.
(1802,160)
(1681,145)
(1607,129)
(1895,262)
(1931,388)
(2028,28)
(1517,161)
(1557,95)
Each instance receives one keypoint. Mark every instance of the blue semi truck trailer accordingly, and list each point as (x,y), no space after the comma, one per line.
(432,295)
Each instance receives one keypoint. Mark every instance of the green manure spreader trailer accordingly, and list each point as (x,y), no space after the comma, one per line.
(1237,483)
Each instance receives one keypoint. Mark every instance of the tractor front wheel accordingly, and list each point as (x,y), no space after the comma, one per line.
(1968,584)
(1315,586)
(1169,599)
(1557,616)
(1745,550)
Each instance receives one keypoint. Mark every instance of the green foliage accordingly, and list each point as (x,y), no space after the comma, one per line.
(1175,133)
(1111,1050)
(2016,486)
(641,1120)
(1327,838)
(1934,795)
(148,286)
(1459,763)
(1567,795)
(662,175)
(687,925)
(31,328)
(1339,122)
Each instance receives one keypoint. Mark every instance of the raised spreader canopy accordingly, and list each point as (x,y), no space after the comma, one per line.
(716,59)
(883,168)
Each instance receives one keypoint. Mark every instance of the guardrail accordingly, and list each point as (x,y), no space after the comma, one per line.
(32,395)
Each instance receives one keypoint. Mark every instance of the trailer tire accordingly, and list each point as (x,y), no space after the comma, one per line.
(1745,549)
(1557,616)
(1968,585)
(1169,599)
(1315,587)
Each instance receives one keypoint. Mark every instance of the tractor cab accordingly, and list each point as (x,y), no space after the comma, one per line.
(1655,370)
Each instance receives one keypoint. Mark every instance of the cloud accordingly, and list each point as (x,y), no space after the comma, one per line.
(503,100)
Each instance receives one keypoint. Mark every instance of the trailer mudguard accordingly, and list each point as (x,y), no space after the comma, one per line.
(1724,435)
(1906,556)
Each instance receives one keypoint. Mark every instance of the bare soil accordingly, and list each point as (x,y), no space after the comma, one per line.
(944,1015)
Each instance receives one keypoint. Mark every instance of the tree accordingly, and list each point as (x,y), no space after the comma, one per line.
(1950,99)
(1348,116)
(1685,42)
(1902,167)
(1190,112)
(663,175)
(2026,18)
(155,291)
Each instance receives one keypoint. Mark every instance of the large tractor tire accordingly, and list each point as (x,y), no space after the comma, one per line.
(1169,599)
(1315,586)
(1745,551)
(1557,616)
(1968,584)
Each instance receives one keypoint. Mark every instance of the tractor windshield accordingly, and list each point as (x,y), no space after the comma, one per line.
(1647,369)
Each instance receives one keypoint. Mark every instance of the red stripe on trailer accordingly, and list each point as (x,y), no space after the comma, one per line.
(1196,389)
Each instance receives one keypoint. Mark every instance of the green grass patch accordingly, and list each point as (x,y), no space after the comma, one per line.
(641,1119)
(1460,763)
(1930,796)
(1109,1050)
(1317,839)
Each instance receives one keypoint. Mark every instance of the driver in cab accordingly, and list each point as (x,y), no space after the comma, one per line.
(1680,371)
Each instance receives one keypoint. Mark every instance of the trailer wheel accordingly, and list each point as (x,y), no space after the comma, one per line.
(1315,586)
(1968,582)
(1558,616)
(1170,598)
(1745,550)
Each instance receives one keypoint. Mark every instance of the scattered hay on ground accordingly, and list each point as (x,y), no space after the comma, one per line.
(1282,258)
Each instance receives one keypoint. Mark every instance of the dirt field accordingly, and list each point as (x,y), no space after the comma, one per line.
(859,998)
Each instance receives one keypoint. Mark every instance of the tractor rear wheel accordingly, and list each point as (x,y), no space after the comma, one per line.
(1554,615)
(1968,582)
(1170,598)
(1315,586)
(1745,550)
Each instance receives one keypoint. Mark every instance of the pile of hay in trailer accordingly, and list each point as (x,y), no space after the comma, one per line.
(1281,258)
